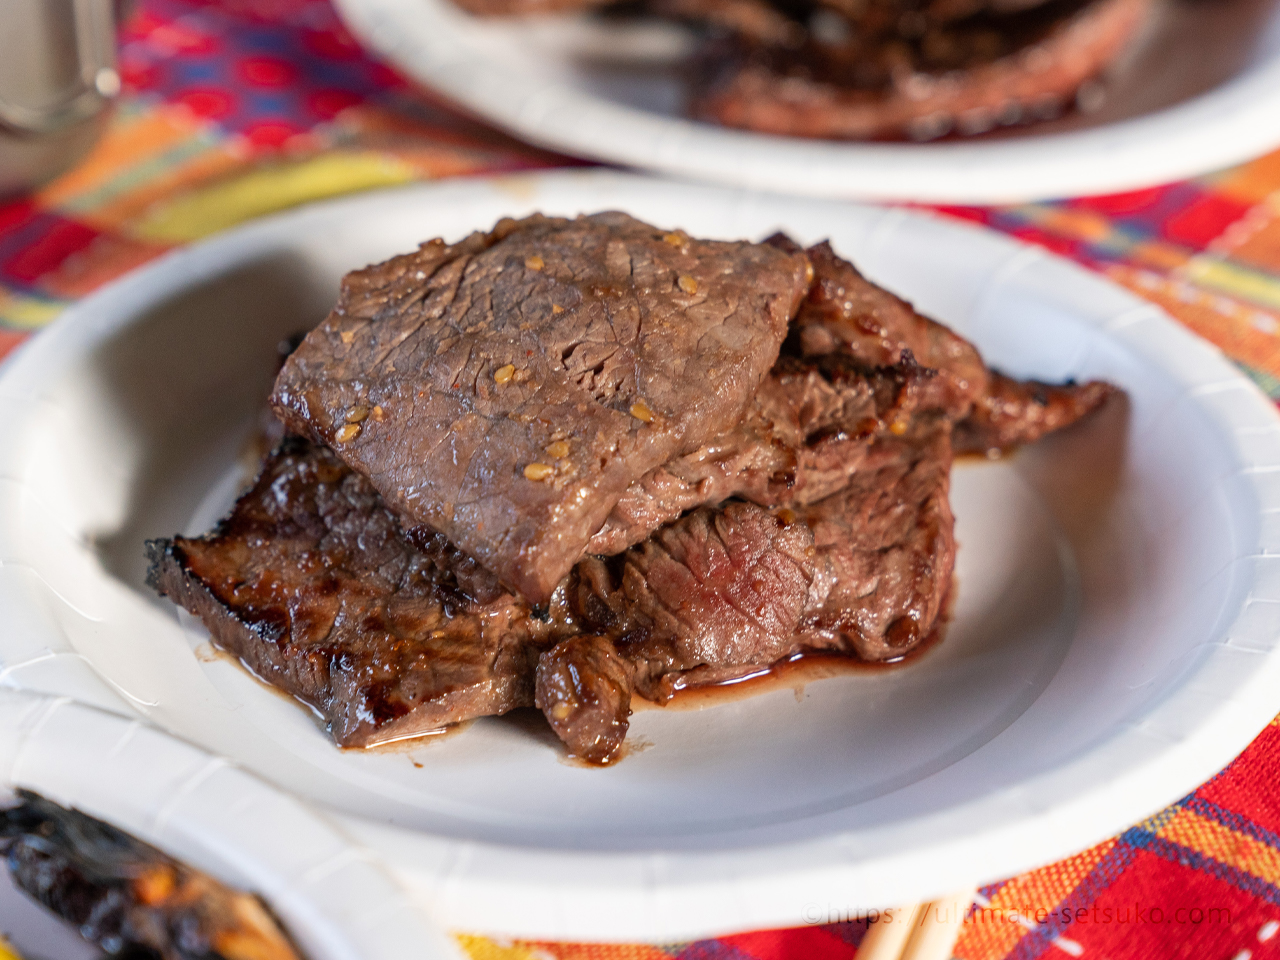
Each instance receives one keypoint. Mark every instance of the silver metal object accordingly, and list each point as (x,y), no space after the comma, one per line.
(57,77)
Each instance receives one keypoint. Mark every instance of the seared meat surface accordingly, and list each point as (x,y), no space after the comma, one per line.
(722,588)
(507,389)
(311,583)
(887,546)
(128,897)
(781,487)
(583,688)
(1010,413)
(848,316)
(845,313)
(804,435)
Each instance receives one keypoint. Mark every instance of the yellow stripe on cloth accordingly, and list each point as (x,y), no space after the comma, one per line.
(267,189)
(137,144)
(27,313)
(598,951)
(132,196)
(482,948)
(1223,844)
(1252,285)
(1247,334)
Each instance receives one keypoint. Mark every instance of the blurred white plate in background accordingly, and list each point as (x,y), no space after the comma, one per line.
(1200,92)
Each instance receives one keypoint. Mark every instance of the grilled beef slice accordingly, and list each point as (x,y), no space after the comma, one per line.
(888,550)
(1010,413)
(724,592)
(507,389)
(806,432)
(310,582)
(847,370)
(847,315)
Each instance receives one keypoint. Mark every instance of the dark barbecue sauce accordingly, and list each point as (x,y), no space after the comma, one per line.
(792,674)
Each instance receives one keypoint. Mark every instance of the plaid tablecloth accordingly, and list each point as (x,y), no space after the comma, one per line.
(238,108)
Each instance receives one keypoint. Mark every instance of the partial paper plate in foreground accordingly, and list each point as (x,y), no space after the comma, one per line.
(335,901)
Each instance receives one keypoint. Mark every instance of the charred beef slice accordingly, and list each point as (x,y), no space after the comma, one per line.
(847,315)
(807,431)
(858,361)
(818,521)
(310,582)
(506,390)
(128,897)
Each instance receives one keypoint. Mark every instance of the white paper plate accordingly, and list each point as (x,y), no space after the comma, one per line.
(336,902)
(1113,647)
(1201,92)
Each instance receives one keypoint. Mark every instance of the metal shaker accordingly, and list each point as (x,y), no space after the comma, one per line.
(57,78)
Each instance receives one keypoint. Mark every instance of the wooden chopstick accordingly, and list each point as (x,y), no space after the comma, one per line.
(926,931)
(888,935)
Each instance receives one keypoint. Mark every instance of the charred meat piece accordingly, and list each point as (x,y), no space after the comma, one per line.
(583,688)
(125,895)
(846,80)
(1011,413)
(507,389)
(311,583)
(726,591)
(847,315)
(848,372)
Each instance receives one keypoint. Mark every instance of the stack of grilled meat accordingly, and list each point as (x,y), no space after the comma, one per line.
(566,462)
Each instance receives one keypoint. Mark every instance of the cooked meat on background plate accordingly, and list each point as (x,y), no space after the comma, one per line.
(887,69)
(126,896)
(568,462)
